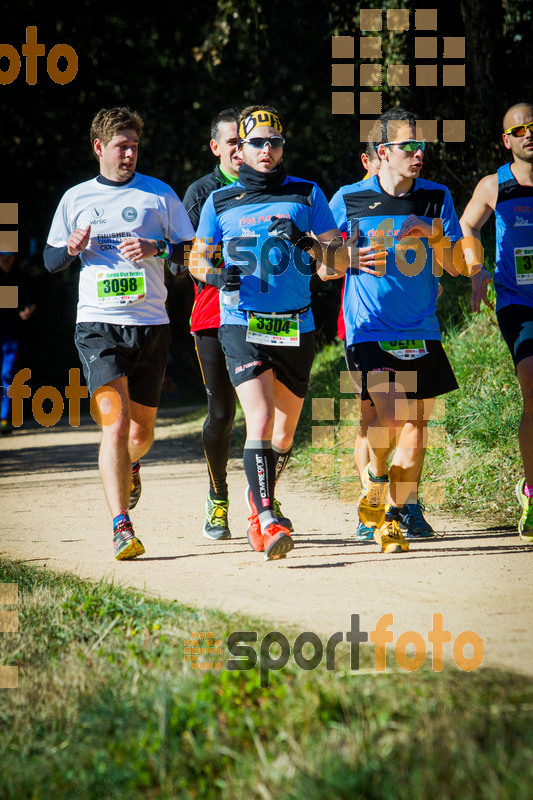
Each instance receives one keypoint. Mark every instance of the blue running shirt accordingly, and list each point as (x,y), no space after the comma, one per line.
(395,306)
(275,274)
(513,278)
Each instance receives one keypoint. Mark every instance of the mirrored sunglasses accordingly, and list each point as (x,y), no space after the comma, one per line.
(409,146)
(259,142)
(519,130)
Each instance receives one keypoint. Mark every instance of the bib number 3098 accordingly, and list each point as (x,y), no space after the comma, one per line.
(120,288)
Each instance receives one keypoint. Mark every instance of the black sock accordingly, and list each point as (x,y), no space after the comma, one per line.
(393,512)
(382,478)
(280,460)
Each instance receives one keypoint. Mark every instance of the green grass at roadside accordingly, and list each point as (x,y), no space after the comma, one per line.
(107,708)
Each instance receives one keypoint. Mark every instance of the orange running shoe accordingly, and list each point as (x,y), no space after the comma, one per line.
(277,542)
(254,535)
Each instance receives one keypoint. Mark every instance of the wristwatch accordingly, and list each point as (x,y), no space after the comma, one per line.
(163,248)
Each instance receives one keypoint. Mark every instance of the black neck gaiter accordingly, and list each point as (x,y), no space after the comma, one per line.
(252,179)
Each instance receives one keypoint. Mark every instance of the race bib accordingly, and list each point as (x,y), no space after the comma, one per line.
(276,329)
(523,260)
(120,288)
(406,349)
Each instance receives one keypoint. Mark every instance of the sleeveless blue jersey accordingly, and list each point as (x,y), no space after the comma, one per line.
(395,306)
(514,232)
(275,274)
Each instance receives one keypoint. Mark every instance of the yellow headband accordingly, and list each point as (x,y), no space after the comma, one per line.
(256,119)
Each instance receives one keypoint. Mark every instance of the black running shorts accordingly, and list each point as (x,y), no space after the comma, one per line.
(246,360)
(138,352)
(433,373)
(516,325)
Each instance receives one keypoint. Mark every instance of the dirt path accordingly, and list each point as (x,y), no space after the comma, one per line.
(52,512)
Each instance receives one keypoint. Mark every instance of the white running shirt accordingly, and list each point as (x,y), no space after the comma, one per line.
(146,208)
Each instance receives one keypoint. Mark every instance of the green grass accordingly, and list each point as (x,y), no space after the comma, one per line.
(480,462)
(107,708)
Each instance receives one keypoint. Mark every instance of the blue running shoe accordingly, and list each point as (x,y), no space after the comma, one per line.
(414,524)
(364,533)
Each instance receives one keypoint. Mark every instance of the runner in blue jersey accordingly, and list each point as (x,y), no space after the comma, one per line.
(412,520)
(391,323)
(509,194)
(266,321)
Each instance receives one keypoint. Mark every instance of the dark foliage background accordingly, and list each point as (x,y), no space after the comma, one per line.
(178,65)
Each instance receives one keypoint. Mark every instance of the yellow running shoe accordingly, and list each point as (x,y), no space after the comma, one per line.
(125,543)
(390,537)
(525,526)
(371,505)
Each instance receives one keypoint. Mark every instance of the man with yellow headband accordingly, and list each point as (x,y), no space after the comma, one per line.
(509,194)
(267,328)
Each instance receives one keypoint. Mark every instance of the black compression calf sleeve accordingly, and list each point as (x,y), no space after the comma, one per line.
(258,460)
(216,432)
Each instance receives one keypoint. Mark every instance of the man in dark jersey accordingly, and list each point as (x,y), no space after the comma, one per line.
(266,321)
(509,194)
(205,322)
(391,324)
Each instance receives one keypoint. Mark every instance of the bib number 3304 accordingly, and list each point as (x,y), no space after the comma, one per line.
(120,288)
(273,329)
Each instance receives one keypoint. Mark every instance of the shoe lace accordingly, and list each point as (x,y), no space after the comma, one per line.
(125,529)
(393,530)
(414,512)
(218,515)
(274,528)
(374,491)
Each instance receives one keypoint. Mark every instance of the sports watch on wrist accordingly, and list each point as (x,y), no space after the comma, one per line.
(163,248)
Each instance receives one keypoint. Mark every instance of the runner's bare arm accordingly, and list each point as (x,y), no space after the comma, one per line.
(477,212)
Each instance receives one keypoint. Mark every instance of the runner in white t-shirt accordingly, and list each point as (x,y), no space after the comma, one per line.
(123,226)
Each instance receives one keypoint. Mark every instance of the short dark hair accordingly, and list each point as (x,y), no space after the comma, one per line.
(370,150)
(227,115)
(109,121)
(380,130)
